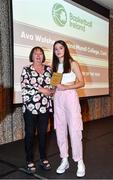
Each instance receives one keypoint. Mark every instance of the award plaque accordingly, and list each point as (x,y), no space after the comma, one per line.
(56,79)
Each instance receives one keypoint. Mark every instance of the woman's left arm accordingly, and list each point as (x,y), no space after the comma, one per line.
(47,91)
(79,76)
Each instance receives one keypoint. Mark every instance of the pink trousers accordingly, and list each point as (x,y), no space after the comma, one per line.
(67,116)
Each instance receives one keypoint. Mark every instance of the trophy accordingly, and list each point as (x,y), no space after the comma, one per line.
(56,78)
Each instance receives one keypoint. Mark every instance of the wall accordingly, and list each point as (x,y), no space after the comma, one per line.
(11,119)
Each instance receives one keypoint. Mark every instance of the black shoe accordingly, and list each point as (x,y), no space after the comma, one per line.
(31,167)
(45,164)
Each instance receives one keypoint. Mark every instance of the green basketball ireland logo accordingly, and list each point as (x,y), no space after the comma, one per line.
(59,15)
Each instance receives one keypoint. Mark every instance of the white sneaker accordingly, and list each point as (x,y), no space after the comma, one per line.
(63,166)
(81,169)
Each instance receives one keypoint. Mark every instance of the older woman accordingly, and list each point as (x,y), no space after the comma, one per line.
(37,103)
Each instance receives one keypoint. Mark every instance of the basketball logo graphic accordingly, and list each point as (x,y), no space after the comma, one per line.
(59,15)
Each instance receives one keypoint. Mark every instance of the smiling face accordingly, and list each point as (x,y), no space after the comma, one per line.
(59,51)
(37,56)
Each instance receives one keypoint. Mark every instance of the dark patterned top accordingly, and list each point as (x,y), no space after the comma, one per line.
(33,100)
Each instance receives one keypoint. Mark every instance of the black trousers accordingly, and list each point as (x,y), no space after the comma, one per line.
(32,123)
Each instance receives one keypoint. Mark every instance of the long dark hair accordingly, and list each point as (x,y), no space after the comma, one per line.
(67,58)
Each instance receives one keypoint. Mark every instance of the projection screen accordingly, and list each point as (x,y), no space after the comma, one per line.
(42,22)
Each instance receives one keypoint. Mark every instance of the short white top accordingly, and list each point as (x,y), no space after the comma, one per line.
(67,77)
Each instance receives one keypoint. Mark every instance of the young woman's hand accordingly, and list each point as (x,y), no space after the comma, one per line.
(62,87)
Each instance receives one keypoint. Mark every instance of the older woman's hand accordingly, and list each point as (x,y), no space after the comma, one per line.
(45,91)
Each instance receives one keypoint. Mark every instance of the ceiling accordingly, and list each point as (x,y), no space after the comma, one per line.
(106,3)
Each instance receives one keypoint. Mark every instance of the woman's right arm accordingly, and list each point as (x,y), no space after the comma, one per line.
(27,88)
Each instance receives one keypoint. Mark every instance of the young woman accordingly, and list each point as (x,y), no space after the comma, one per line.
(37,104)
(67,111)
